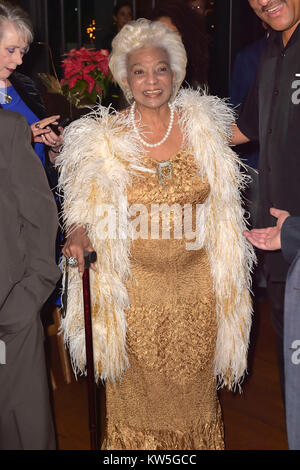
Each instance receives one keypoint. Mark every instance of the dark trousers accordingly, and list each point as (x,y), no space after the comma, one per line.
(25,414)
(275,292)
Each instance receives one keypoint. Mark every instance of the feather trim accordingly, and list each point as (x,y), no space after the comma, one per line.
(92,176)
(206,122)
(99,156)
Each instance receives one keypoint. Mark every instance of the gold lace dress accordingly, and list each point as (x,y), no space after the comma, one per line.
(167,399)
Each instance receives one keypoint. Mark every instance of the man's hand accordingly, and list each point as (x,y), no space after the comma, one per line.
(268,238)
(77,243)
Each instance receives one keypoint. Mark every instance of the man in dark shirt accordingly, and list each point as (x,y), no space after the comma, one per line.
(271,115)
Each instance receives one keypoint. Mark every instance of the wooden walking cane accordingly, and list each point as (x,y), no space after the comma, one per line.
(90,257)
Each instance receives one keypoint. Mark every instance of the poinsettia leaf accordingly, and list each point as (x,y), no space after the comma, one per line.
(86,75)
(94,95)
(81,85)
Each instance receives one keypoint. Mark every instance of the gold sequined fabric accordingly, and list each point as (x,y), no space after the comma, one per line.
(167,399)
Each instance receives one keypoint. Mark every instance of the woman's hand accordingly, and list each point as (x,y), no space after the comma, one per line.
(41,128)
(54,145)
(77,243)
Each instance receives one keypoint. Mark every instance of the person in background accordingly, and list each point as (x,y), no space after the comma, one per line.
(270,115)
(199,6)
(285,236)
(18,92)
(243,73)
(244,70)
(122,14)
(192,29)
(28,275)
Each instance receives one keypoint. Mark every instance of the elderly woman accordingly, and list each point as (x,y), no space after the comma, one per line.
(155,191)
(18,92)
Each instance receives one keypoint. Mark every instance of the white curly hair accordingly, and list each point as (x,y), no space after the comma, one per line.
(15,15)
(140,33)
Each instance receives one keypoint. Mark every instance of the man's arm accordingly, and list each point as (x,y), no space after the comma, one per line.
(238,137)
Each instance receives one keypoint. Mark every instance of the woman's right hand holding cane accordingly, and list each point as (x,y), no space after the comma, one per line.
(77,243)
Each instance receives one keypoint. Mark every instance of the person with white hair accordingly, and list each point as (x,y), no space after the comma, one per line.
(154,190)
(18,92)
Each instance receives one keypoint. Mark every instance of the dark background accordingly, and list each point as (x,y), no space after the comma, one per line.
(62,24)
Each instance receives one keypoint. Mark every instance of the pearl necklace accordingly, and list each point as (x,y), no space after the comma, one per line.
(132,109)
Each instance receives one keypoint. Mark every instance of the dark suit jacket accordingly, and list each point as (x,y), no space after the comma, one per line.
(290,238)
(28,272)
(28,275)
(290,243)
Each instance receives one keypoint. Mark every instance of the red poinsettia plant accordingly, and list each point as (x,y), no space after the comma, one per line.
(86,75)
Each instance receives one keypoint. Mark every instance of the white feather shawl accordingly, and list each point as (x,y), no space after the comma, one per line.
(100,155)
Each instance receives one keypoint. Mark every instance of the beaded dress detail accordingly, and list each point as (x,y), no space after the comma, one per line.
(167,399)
